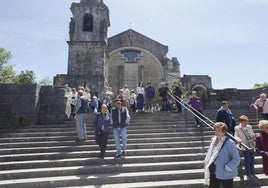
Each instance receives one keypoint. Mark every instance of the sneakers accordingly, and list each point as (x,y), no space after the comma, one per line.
(124,152)
(252,177)
(117,156)
(249,177)
(79,141)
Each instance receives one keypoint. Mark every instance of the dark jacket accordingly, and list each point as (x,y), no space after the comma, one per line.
(149,92)
(82,105)
(163,91)
(124,117)
(102,122)
(226,117)
(177,91)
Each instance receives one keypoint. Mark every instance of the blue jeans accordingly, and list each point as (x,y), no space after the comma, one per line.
(81,126)
(249,162)
(140,101)
(165,103)
(117,132)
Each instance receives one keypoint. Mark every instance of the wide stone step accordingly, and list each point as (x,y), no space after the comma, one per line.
(97,169)
(96,161)
(103,169)
(99,179)
(89,127)
(192,183)
(89,154)
(130,130)
(126,178)
(94,147)
(166,141)
(91,137)
(163,148)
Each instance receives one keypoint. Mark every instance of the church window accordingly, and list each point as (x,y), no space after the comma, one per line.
(130,56)
(88,22)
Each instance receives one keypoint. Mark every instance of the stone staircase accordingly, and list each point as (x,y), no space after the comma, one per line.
(164,150)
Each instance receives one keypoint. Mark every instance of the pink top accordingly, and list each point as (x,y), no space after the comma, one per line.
(263,104)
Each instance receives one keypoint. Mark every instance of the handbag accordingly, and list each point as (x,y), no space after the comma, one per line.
(212,168)
(251,140)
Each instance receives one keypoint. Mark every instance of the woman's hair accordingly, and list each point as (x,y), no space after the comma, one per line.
(243,118)
(222,126)
(263,95)
(104,105)
(263,123)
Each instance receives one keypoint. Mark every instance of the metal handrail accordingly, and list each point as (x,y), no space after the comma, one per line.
(202,117)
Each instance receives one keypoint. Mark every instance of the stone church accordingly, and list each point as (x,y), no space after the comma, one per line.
(94,60)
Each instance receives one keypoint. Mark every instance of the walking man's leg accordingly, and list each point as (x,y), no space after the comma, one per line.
(124,139)
(116,133)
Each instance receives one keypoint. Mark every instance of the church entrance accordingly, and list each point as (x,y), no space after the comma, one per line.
(131,75)
(131,68)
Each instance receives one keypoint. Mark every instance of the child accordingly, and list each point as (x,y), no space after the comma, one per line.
(133,100)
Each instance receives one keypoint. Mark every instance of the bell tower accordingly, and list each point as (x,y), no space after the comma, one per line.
(88,45)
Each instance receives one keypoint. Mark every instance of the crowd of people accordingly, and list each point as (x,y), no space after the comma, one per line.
(222,158)
(140,99)
(112,111)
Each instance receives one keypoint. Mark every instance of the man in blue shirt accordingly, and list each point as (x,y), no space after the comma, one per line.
(225,115)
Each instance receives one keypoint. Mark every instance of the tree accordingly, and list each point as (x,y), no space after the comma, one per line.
(257,85)
(25,77)
(7,75)
(4,57)
(7,72)
(45,81)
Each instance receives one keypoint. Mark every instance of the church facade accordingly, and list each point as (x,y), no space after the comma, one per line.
(94,60)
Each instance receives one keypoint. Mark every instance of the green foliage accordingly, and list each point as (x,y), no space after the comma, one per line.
(45,81)
(7,73)
(25,77)
(4,57)
(256,86)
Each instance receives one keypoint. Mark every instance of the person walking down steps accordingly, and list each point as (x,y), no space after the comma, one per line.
(119,120)
(101,126)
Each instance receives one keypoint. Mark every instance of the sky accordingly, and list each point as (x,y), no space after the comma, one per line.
(224,39)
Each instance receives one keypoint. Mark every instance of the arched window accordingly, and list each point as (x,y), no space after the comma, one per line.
(88,22)
(131,56)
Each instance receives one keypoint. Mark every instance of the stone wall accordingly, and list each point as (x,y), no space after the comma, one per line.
(238,98)
(32,104)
